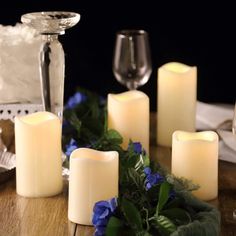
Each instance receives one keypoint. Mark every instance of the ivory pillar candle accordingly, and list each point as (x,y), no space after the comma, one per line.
(176,100)
(128,113)
(38,155)
(93,177)
(195,157)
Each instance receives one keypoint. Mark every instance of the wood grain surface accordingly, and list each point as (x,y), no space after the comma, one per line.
(48,216)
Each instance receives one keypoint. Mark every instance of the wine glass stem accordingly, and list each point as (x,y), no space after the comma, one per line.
(132,85)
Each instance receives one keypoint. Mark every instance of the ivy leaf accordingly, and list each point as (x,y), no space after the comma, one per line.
(113,136)
(178,215)
(132,215)
(165,225)
(113,227)
(163,196)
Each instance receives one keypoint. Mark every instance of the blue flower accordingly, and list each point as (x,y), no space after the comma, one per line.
(71,147)
(136,146)
(152,179)
(102,212)
(76,99)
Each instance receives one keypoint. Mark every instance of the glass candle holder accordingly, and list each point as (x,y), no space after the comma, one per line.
(51,56)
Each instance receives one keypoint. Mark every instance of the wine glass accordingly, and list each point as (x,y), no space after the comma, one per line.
(132,64)
(49,25)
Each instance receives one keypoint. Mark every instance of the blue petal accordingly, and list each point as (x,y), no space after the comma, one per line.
(100,231)
(147,170)
(101,204)
(159,178)
(113,204)
(76,99)
(99,210)
(104,214)
(102,222)
(137,147)
(152,179)
(71,147)
(95,219)
(148,186)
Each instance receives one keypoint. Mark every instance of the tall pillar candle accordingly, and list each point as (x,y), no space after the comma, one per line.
(128,113)
(195,157)
(176,100)
(38,155)
(93,177)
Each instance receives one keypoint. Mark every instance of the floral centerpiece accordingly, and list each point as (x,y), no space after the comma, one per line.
(151,201)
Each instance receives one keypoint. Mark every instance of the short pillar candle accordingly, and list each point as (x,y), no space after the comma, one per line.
(176,100)
(38,155)
(128,113)
(93,178)
(195,157)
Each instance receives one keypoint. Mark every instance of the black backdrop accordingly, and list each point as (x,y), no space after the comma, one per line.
(191,33)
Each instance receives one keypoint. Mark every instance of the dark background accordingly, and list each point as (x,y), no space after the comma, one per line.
(192,33)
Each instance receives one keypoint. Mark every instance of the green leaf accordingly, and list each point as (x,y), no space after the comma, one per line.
(136,178)
(132,215)
(165,225)
(113,136)
(143,233)
(178,215)
(113,227)
(75,122)
(146,160)
(181,185)
(175,203)
(163,196)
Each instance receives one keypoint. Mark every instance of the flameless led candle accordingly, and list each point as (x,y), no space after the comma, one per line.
(128,113)
(176,102)
(195,157)
(93,178)
(38,155)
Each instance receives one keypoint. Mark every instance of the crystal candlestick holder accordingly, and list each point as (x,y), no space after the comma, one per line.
(51,56)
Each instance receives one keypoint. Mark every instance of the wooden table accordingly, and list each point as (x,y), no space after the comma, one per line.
(48,216)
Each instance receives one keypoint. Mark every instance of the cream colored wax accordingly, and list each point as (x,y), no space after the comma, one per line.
(195,157)
(38,155)
(176,100)
(128,113)
(93,178)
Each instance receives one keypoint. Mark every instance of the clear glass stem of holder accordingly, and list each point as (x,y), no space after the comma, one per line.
(52,69)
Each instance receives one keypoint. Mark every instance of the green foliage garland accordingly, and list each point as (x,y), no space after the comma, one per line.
(166,208)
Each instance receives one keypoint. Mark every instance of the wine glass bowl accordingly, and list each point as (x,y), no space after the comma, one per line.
(132,64)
